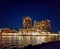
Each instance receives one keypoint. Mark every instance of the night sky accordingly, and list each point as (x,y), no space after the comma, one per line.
(13,11)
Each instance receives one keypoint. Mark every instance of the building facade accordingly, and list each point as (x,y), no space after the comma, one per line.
(27,22)
(43,25)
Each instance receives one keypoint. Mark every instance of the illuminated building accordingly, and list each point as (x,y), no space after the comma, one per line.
(27,22)
(42,29)
(42,25)
(7,30)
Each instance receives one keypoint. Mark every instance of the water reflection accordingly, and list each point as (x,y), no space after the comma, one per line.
(22,41)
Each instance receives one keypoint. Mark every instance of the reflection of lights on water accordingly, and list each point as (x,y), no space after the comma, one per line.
(40,39)
(26,39)
(59,38)
(10,39)
(19,37)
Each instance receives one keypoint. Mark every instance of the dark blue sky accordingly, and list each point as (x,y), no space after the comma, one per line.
(12,12)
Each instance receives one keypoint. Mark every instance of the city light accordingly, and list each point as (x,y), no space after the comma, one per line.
(39,33)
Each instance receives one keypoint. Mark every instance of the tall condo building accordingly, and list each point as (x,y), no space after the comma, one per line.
(27,22)
(43,25)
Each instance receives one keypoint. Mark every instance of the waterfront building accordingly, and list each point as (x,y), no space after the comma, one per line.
(27,22)
(8,30)
(43,25)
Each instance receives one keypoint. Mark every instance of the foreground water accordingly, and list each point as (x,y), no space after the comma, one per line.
(22,41)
